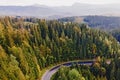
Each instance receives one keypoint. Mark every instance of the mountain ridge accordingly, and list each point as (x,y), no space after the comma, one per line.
(77,9)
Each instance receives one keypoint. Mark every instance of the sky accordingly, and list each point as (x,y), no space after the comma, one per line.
(55,2)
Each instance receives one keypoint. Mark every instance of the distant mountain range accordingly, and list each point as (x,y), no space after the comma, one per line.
(76,9)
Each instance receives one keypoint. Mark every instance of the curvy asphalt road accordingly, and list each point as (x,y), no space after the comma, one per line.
(48,74)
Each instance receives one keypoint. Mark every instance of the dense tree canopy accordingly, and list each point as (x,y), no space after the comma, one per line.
(27,45)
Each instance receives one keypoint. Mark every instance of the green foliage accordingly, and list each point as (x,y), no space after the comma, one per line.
(26,47)
(65,73)
(97,71)
(74,75)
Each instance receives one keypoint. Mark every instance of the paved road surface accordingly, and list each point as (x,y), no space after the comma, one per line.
(48,74)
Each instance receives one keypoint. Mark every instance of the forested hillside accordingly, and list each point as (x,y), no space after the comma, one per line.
(29,45)
(106,23)
(103,22)
(116,34)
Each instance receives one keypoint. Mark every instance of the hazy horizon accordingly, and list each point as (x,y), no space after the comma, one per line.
(54,2)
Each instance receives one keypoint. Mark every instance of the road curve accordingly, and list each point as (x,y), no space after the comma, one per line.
(48,74)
